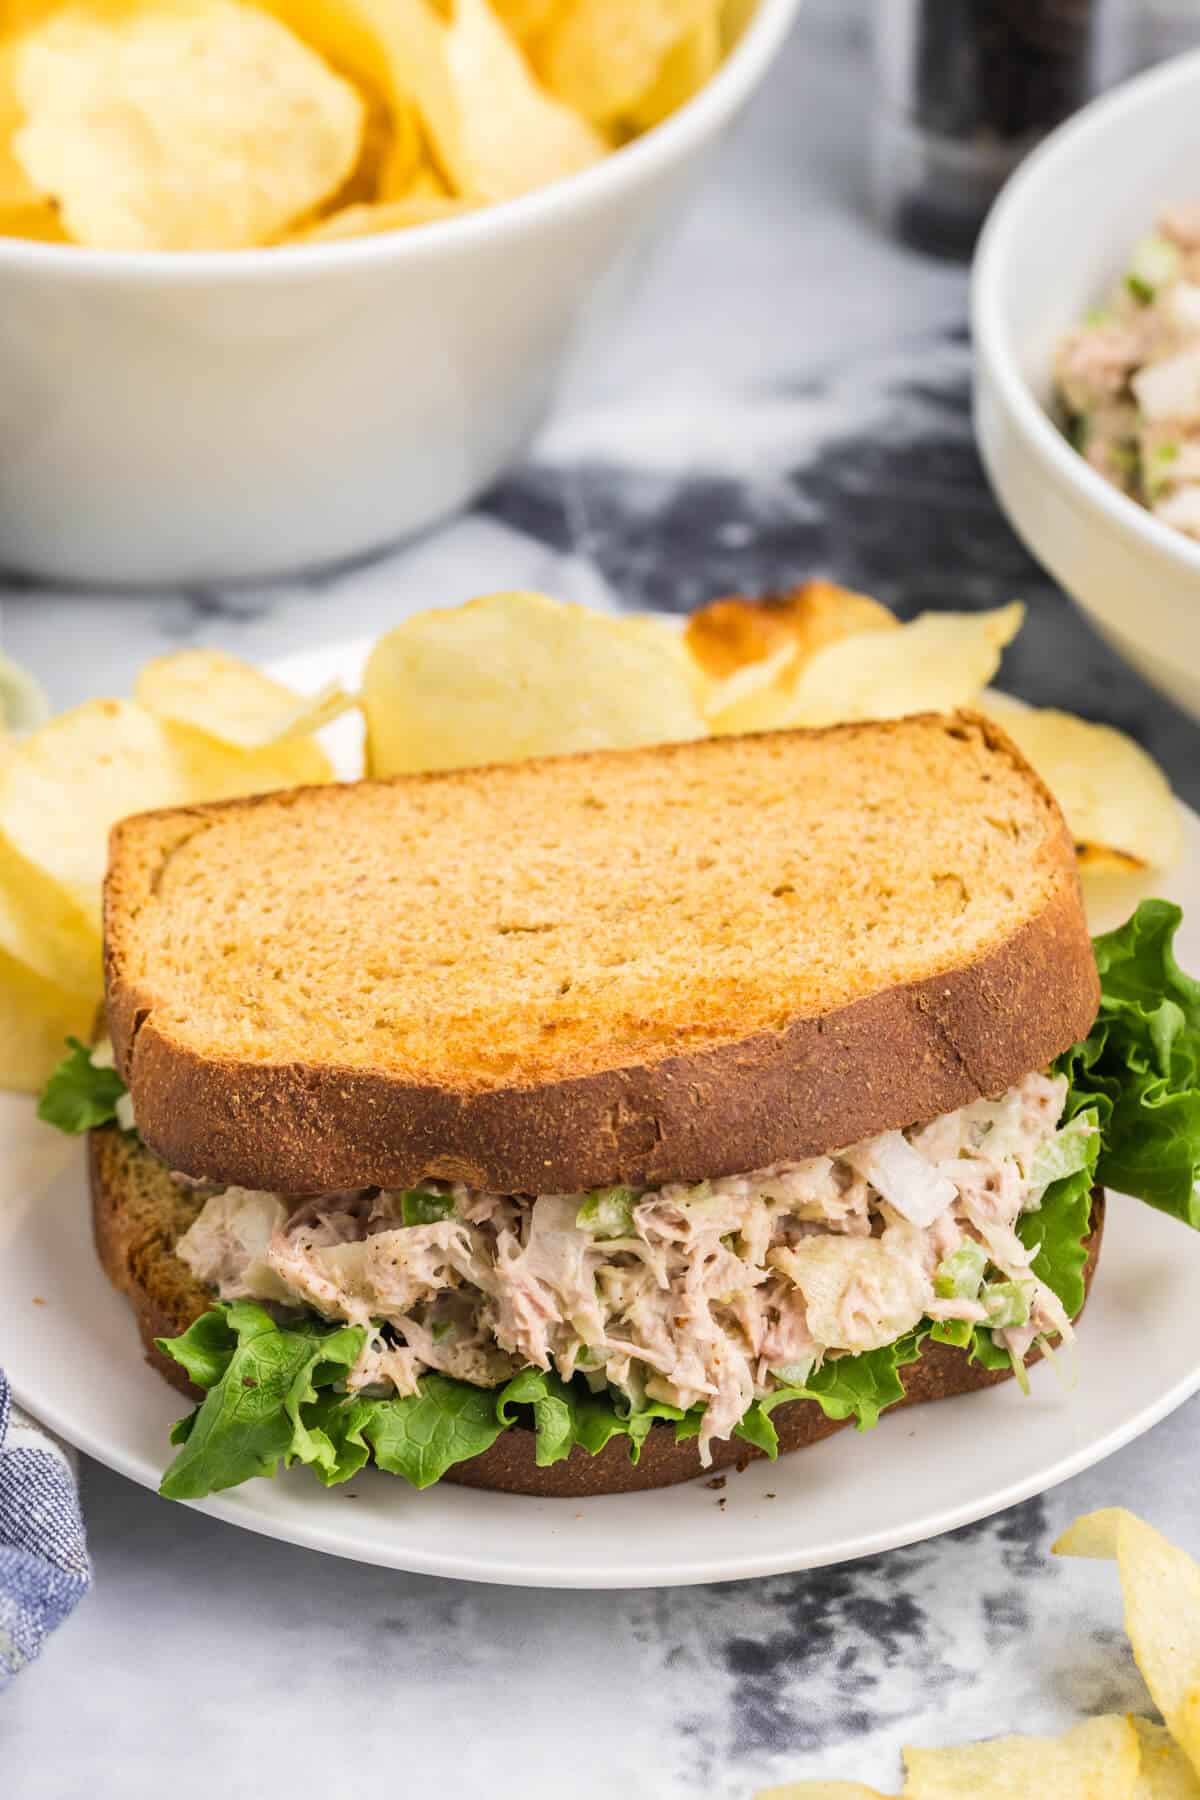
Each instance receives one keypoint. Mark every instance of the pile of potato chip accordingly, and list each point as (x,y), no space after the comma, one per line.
(201,726)
(515,675)
(224,124)
(1113,1757)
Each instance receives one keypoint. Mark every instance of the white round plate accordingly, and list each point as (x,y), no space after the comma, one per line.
(71,1351)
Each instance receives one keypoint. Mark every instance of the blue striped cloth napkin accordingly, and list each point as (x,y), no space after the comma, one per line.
(44,1568)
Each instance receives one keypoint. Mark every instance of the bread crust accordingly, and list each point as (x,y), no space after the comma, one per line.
(509,1467)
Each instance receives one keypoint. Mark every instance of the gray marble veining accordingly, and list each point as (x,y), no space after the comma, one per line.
(789,396)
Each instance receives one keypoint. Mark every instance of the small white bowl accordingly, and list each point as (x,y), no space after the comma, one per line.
(218,416)
(1056,241)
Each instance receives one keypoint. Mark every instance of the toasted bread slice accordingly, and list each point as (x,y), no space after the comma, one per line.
(645,965)
(139,1214)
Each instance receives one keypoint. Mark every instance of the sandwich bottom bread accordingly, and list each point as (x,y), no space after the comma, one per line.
(139,1214)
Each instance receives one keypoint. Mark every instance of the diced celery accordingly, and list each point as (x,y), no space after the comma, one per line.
(607,1212)
(419,1207)
(958,1275)
(1154,265)
(1007,1304)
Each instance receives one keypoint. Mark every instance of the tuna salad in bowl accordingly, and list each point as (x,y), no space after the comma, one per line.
(1128,377)
(1086,330)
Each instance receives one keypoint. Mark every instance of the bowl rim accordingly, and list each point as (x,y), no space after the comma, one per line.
(999,247)
(623,169)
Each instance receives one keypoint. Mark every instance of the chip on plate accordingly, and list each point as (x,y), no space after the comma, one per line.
(1160,1584)
(755,697)
(64,787)
(518,674)
(35,1018)
(938,662)
(1097,1760)
(233,701)
(512,135)
(728,633)
(755,649)
(44,929)
(216,771)
(202,125)
(1115,798)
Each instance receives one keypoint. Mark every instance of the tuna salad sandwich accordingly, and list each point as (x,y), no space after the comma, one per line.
(577,1125)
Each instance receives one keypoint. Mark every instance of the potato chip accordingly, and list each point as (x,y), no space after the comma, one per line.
(394,51)
(1161,1588)
(200,126)
(36,1018)
(663,637)
(755,697)
(512,135)
(603,57)
(735,16)
(1166,1773)
(1093,1534)
(38,224)
(66,785)
(527,19)
(938,662)
(728,633)
(684,71)
(216,771)
(515,675)
(391,215)
(23,700)
(1116,800)
(42,928)
(232,701)
(1097,1760)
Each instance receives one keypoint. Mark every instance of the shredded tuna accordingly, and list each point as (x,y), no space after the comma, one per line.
(711,1295)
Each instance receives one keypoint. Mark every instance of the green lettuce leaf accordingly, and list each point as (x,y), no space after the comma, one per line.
(251,1417)
(79,1096)
(844,1387)
(1056,1231)
(1139,1066)
(422,1435)
(566,1413)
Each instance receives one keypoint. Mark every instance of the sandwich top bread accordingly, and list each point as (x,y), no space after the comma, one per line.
(645,965)
(514,1122)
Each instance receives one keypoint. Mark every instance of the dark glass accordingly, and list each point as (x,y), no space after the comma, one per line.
(968,87)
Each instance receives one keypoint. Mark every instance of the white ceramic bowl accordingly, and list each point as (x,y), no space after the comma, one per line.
(219,417)
(1056,240)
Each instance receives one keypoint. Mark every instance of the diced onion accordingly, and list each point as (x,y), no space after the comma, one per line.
(906,1181)
(1170,389)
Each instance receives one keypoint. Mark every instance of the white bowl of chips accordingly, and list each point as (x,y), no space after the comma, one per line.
(178,413)
(1058,239)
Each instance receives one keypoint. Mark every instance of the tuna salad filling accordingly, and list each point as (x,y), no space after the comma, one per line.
(1128,377)
(704,1297)
(412,1330)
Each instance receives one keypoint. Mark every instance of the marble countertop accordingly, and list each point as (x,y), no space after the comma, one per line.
(789,396)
